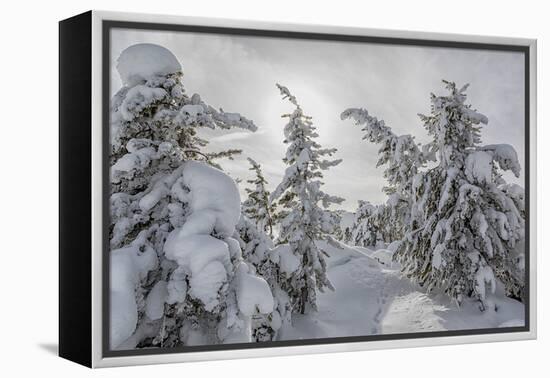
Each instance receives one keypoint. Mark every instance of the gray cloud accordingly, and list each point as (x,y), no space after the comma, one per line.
(393,82)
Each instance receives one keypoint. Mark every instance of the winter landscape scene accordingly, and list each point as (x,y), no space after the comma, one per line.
(266,189)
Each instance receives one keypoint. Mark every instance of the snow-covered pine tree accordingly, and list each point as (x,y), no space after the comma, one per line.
(306,222)
(344,231)
(257,206)
(258,251)
(368,225)
(465,224)
(402,159)
(177,275)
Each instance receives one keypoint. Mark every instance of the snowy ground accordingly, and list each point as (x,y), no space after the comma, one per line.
(371,298)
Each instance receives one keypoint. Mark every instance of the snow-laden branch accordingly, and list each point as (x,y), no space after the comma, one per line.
(400,153)
(505,155)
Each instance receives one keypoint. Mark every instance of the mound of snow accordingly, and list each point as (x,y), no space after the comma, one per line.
(205,285)
(135,160)
(288,262)
(506,156)
(479,165)
(474,116)
(202,258)
(383,256)
(253,293)
(194,252)
(192,113)
(213,192)
(214,204)
(154,306)
(141,62)
(177,287)
(139,98)
(128,266)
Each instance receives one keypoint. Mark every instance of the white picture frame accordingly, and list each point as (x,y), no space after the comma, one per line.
(99,23)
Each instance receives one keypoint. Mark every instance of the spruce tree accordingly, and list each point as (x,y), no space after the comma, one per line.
(305,222)
(162,201)
(368,225)
(346,223)
(257,206)
(402,159)
(465,226)
(259,252)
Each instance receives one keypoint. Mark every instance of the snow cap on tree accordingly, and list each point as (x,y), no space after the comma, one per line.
(141,62)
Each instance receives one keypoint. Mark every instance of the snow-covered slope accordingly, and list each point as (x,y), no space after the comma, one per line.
(351,309)
(371,297)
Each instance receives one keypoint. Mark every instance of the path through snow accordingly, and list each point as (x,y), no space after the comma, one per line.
(371,297)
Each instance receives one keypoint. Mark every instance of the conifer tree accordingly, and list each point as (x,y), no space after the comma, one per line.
(465,223)
(464,227)
(163,204)
(306,222)
(344,231)
(368,225)
(258,251)
(402,158)
(257,206)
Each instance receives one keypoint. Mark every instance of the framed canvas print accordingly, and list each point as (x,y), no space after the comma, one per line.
(233,189)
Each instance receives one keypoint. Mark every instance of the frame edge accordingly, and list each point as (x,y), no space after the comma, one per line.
(75,310)
(100,361)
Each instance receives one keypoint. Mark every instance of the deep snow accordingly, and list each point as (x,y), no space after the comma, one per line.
(371,297)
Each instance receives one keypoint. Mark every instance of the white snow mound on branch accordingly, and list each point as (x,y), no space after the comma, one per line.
(141,62)
(288,262)
(214,204)
(195,252)
(253,293)
(176,287)
(205,260)
(215,193)
(506,157)
(192,113)
(154,306)
(475,117)
(206,284)
(134,160)
(139,98)
(128,266)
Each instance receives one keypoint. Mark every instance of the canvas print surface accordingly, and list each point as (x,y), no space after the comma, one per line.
(268,190)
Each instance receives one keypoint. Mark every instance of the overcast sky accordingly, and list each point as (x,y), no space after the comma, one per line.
(393,82)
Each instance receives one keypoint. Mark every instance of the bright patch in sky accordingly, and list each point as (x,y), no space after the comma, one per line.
(392,82)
